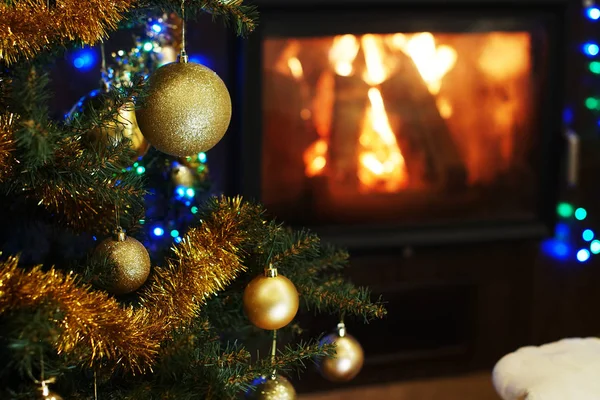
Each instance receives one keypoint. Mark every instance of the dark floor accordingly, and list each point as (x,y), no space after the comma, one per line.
(476,386)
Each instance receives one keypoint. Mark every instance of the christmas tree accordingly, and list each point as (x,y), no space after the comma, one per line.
(87,310)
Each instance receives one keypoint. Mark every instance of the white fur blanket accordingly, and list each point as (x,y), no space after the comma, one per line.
(565,370)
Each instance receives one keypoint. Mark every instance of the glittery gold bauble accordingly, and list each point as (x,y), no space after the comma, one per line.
(128,260)
(114,132)
(187,110)
(270,301)
(348,360)
(127,128)
(278,388)
(182,175)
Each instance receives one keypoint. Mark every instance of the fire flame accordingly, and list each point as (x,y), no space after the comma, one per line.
(380,157)
(342,54)
(433,62)
(381,164)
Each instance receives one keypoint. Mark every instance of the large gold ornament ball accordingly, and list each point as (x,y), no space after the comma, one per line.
(347,362)
(187,110)
(278,388)
(113,133)
(270,302)
(129,264)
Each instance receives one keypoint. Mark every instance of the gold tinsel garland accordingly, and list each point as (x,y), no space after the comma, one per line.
(7,146)
(92,320)
(28,26)
(96,329)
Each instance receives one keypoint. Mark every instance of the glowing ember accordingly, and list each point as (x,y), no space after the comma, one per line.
(315,158)
(295,67)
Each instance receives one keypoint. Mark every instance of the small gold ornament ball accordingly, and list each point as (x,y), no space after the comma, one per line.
(129,262)
(187,110)
(126,127)
(182,175)
(274,389)
(270,302)
(347,362)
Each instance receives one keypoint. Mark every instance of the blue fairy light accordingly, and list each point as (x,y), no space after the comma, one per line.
(556,249)
(591,49)
(158,231)
(156,28)
(593,13)
(85,59)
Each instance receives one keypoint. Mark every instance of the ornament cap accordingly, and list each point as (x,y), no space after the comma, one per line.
(119,234)
(341,328)
(271,271)
(182,57)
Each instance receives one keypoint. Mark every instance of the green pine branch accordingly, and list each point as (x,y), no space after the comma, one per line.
(243,17)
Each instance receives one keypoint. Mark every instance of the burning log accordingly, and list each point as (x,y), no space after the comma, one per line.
(348,112)
(422,129)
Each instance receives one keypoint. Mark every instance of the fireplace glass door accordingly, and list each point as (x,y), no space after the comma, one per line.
(416,127)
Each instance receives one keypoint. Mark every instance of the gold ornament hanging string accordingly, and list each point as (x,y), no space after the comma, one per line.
(274,354)
(95,386)
(183,57)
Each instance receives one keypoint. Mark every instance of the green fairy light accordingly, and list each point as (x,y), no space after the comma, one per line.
(140,170)
(194,210)
(564,210)
(595,67)
(595,246)
(592,103)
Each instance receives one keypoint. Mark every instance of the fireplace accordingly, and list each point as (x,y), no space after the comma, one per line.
(416,133)
(411,122)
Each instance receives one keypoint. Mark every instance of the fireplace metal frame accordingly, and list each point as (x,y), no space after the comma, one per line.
(328,17)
